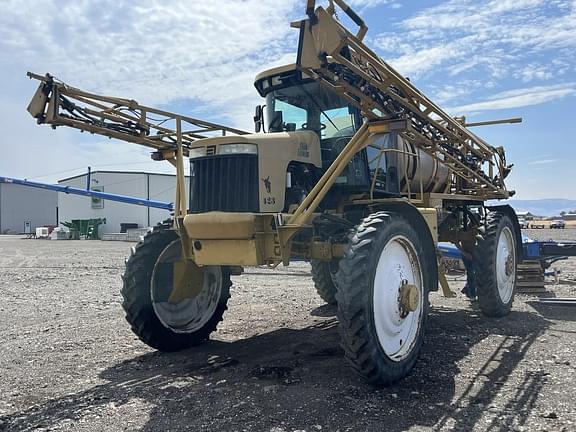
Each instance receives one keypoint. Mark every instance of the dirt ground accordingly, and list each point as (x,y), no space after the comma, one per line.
(68,360)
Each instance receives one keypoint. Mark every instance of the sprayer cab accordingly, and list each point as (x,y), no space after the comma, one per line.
(296,104)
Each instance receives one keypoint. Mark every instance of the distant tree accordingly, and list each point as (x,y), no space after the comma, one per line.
(562,213)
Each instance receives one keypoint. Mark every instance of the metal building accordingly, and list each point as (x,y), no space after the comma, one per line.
(22,209)
(160,187)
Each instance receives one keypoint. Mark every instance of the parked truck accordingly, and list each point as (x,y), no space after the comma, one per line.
(557,224)
(352,167)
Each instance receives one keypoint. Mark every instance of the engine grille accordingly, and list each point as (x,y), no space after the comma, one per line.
(224,183)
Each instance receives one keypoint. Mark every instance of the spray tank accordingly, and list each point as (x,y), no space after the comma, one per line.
(398,164)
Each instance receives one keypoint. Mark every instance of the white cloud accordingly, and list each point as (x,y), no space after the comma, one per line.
(372,3)
(415,63)
(543,161)
(495,38)
(448,92)
(517,98)
(533,72)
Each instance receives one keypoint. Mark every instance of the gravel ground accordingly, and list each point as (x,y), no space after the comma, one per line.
(68,360)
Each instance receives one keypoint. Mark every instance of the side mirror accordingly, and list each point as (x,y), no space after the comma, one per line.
(258,118)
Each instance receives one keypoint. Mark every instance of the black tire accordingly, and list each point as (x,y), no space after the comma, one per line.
(323,275)
(492,301)
(137,299)
(355,296)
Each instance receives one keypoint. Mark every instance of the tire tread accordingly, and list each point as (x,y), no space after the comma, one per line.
(485,272)
(357,337)
(137,303)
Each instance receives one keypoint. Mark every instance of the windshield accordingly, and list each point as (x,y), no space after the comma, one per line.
(311,107)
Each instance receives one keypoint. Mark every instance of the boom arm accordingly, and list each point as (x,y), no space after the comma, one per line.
(58,104)
(336,58)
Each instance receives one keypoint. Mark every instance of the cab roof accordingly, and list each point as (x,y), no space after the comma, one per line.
(275,71)
(279,77)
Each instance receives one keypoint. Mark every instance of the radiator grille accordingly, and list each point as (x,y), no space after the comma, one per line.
(224,183)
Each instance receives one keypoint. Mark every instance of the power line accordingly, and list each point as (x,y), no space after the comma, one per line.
(54,173)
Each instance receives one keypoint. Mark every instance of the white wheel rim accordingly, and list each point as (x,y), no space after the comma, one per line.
(506,264)
(191,314)
(398,265)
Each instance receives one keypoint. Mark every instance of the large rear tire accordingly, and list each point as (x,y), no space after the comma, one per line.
(159,322)
(383,285)
(495,265)
(324,277)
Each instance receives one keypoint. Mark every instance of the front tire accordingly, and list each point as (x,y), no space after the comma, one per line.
(324,277)
(159,322)
(495,259)
(381,334)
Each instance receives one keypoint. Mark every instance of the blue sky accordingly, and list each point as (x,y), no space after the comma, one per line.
(486,59)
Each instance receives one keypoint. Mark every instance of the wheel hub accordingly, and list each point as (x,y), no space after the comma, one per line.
(408,298)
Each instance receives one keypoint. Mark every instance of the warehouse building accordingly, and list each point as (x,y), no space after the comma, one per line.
(22,209)
(158,187)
